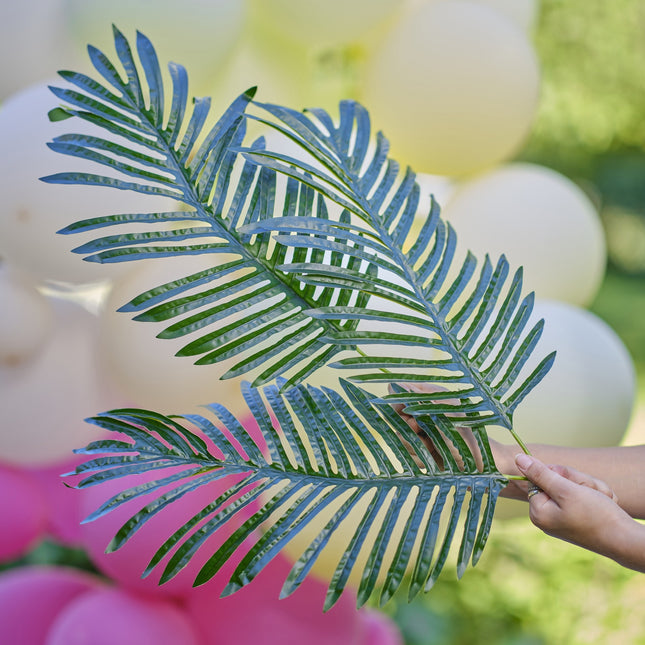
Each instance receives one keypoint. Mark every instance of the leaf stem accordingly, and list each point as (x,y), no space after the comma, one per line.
(521,444)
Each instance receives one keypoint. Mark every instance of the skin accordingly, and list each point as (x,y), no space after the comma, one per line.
(592,502)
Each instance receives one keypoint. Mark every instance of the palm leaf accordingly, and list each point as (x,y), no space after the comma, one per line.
(475,320)
(166,148)
(325,453)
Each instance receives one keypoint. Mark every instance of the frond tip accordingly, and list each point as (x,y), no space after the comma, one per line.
(319,454)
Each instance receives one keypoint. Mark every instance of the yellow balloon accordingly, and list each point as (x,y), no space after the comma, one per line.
(326,24)
(198,35)
(540,220)
(454,86)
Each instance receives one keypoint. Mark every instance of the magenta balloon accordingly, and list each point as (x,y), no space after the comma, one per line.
(128,563)
(23,513)
(32,597)
(255,614)
(117,617)
(379,629)
(64,513)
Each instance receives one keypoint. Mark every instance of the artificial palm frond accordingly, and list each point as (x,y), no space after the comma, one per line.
(475,321)
(324,454)
(290,308)
(298,290)
(243,308)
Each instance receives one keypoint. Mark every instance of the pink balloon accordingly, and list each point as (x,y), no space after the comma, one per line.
(255,614)
(114,616)
(23,513)
(64,513)
(379,629)
(127,564)
(32,597)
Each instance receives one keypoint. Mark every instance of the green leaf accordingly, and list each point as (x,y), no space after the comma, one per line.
(324,453)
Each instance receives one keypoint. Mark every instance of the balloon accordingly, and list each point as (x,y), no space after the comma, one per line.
(32,597)
(33,211)
(587,397)
(127,564)
(522,12)
(33,43)
(279,74)
(454,86)
(145,367)
(294,620)
(25,318)
(320,25)
(199,35)
(540,220)
(23,513)
(109,616)
(64,515)
(45,401)
(379,629)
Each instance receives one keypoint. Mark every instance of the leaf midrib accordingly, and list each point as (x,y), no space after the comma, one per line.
(211,218)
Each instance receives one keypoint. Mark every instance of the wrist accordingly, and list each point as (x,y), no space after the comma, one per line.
(628,544)
(504,456)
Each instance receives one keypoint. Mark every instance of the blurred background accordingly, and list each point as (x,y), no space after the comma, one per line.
(523,117)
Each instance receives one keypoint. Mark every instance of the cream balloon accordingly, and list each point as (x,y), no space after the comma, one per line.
(145,367)
(197,34)
(33,43)
(586,400)
(328,24)
(522,12)
(454,86)
(25,318)
(540,220)
(588,396)
(45,401)
(33,211)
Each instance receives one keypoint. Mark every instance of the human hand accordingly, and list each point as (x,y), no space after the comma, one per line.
(583,510)
(466,434)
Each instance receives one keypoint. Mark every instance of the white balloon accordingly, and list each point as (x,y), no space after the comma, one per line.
(25,318)
(540,220)
(588,396)
(33,211)
(33,43)
(198,34)
(145,367)
(45,400)
(325,24)
(522,12)
(454,86)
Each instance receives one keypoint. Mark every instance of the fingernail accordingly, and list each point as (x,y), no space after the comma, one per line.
(523,461)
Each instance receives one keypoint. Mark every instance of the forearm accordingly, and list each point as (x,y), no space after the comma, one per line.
(629,546)
(623,468)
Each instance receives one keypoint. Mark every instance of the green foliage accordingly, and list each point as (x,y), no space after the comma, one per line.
(325,455)
(300,291)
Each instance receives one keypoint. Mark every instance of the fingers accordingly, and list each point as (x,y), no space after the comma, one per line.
(585,480)
(552,483)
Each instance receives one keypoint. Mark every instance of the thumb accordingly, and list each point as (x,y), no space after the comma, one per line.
(553,484)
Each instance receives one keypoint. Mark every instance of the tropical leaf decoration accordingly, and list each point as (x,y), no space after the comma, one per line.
(343,456)
(322,265)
